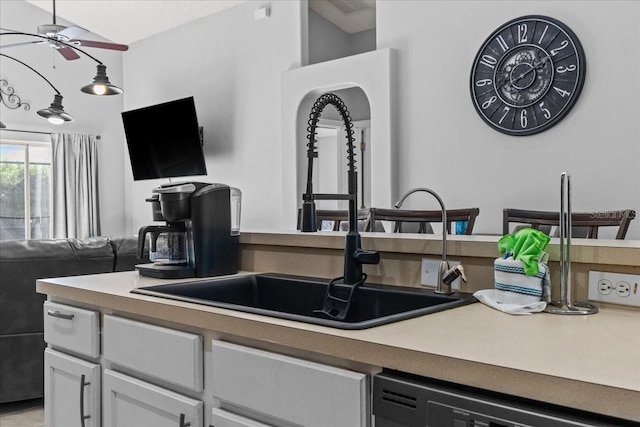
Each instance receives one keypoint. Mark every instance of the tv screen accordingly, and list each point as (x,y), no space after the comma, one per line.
(164,140)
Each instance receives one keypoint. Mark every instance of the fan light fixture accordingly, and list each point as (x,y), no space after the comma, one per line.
(101,84)
(55,113)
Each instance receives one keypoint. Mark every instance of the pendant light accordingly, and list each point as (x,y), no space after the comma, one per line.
(101,84)
(55,113)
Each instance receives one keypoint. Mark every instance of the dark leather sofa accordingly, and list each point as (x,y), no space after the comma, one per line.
(21,321)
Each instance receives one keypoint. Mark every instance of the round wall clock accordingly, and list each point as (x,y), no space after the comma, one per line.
(527,75)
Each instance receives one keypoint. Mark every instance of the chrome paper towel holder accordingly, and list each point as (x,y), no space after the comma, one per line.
(565,306)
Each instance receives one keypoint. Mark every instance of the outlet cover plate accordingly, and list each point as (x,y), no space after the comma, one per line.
(430,269)
(614,288)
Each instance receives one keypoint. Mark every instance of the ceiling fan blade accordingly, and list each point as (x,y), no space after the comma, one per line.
(102,45)
(70,33)
(68,53)
(7,46)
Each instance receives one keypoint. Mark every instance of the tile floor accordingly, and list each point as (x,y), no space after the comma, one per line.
(27,413)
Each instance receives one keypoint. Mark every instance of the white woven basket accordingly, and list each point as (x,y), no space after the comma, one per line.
(515,287)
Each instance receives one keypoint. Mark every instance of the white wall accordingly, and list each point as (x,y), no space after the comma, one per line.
(231,64)
(356,101)
(442,143)
(93,114)
(301,87)
(327,41)
(363,41)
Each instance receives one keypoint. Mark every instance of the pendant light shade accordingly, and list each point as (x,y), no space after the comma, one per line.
(101,84)
(55,113)
(2,125)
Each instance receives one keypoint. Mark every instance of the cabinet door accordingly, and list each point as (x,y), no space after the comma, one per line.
(163,353)
(289,389)
(72,391)
(222,418)
(129,402)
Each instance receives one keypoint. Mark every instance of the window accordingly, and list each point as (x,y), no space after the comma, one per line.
(25,188)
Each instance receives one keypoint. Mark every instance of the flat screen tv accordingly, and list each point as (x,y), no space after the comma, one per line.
(164,140)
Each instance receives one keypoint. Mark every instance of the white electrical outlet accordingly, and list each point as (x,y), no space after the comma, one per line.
(604,287)
(614,288)
(430,269)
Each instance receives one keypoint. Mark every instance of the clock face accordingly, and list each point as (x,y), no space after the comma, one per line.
(527,75)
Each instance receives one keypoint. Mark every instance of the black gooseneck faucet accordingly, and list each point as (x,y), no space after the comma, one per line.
(354,256)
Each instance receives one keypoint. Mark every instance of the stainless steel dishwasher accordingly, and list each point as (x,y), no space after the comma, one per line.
(403,400)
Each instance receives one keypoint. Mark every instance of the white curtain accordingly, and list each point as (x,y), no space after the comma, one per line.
(75,186)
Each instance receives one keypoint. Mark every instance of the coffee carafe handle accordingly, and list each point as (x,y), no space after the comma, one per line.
(142,234)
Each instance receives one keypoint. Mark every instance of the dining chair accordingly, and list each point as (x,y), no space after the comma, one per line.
(421,220)
(584,224)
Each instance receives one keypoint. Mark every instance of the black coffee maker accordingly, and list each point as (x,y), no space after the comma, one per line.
(200,234)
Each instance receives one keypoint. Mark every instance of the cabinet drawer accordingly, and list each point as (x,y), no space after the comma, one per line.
(71,328)
(128,401)
(289,389)
(166,354)
(222,418)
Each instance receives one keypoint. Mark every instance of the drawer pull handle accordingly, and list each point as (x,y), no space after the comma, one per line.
(83,384)
(182,423)
(60,315)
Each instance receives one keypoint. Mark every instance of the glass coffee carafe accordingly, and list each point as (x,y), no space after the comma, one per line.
(167,243)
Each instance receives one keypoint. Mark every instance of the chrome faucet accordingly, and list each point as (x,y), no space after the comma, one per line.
(446,275)
(354,256)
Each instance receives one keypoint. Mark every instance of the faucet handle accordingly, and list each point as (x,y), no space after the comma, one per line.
(308,220)
(453,273)
(366,257)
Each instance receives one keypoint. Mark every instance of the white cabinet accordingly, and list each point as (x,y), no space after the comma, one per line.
(72,329)
(72,391)
(154,354)
(222,418)
(278,387)
(162,353)
(71,384)
(145,375)
(129,402)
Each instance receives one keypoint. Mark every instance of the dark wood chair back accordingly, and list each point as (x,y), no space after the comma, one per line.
(588,223)
(423,218)
(332,215)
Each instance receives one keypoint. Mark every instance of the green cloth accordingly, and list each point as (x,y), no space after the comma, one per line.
(526,245)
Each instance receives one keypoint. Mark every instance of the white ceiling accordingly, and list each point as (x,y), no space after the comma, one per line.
(127,21)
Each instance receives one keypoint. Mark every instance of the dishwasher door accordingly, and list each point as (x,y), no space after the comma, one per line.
(402,400)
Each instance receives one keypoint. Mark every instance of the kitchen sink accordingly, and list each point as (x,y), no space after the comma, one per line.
(300,299)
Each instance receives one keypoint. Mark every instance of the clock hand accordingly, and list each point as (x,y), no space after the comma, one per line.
(534,66)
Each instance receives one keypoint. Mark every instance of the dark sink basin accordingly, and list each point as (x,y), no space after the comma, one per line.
(296,298)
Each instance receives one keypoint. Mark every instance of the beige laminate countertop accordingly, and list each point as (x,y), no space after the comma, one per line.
(586,362)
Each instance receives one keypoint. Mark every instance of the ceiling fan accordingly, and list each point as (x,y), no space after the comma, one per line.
(58,35)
